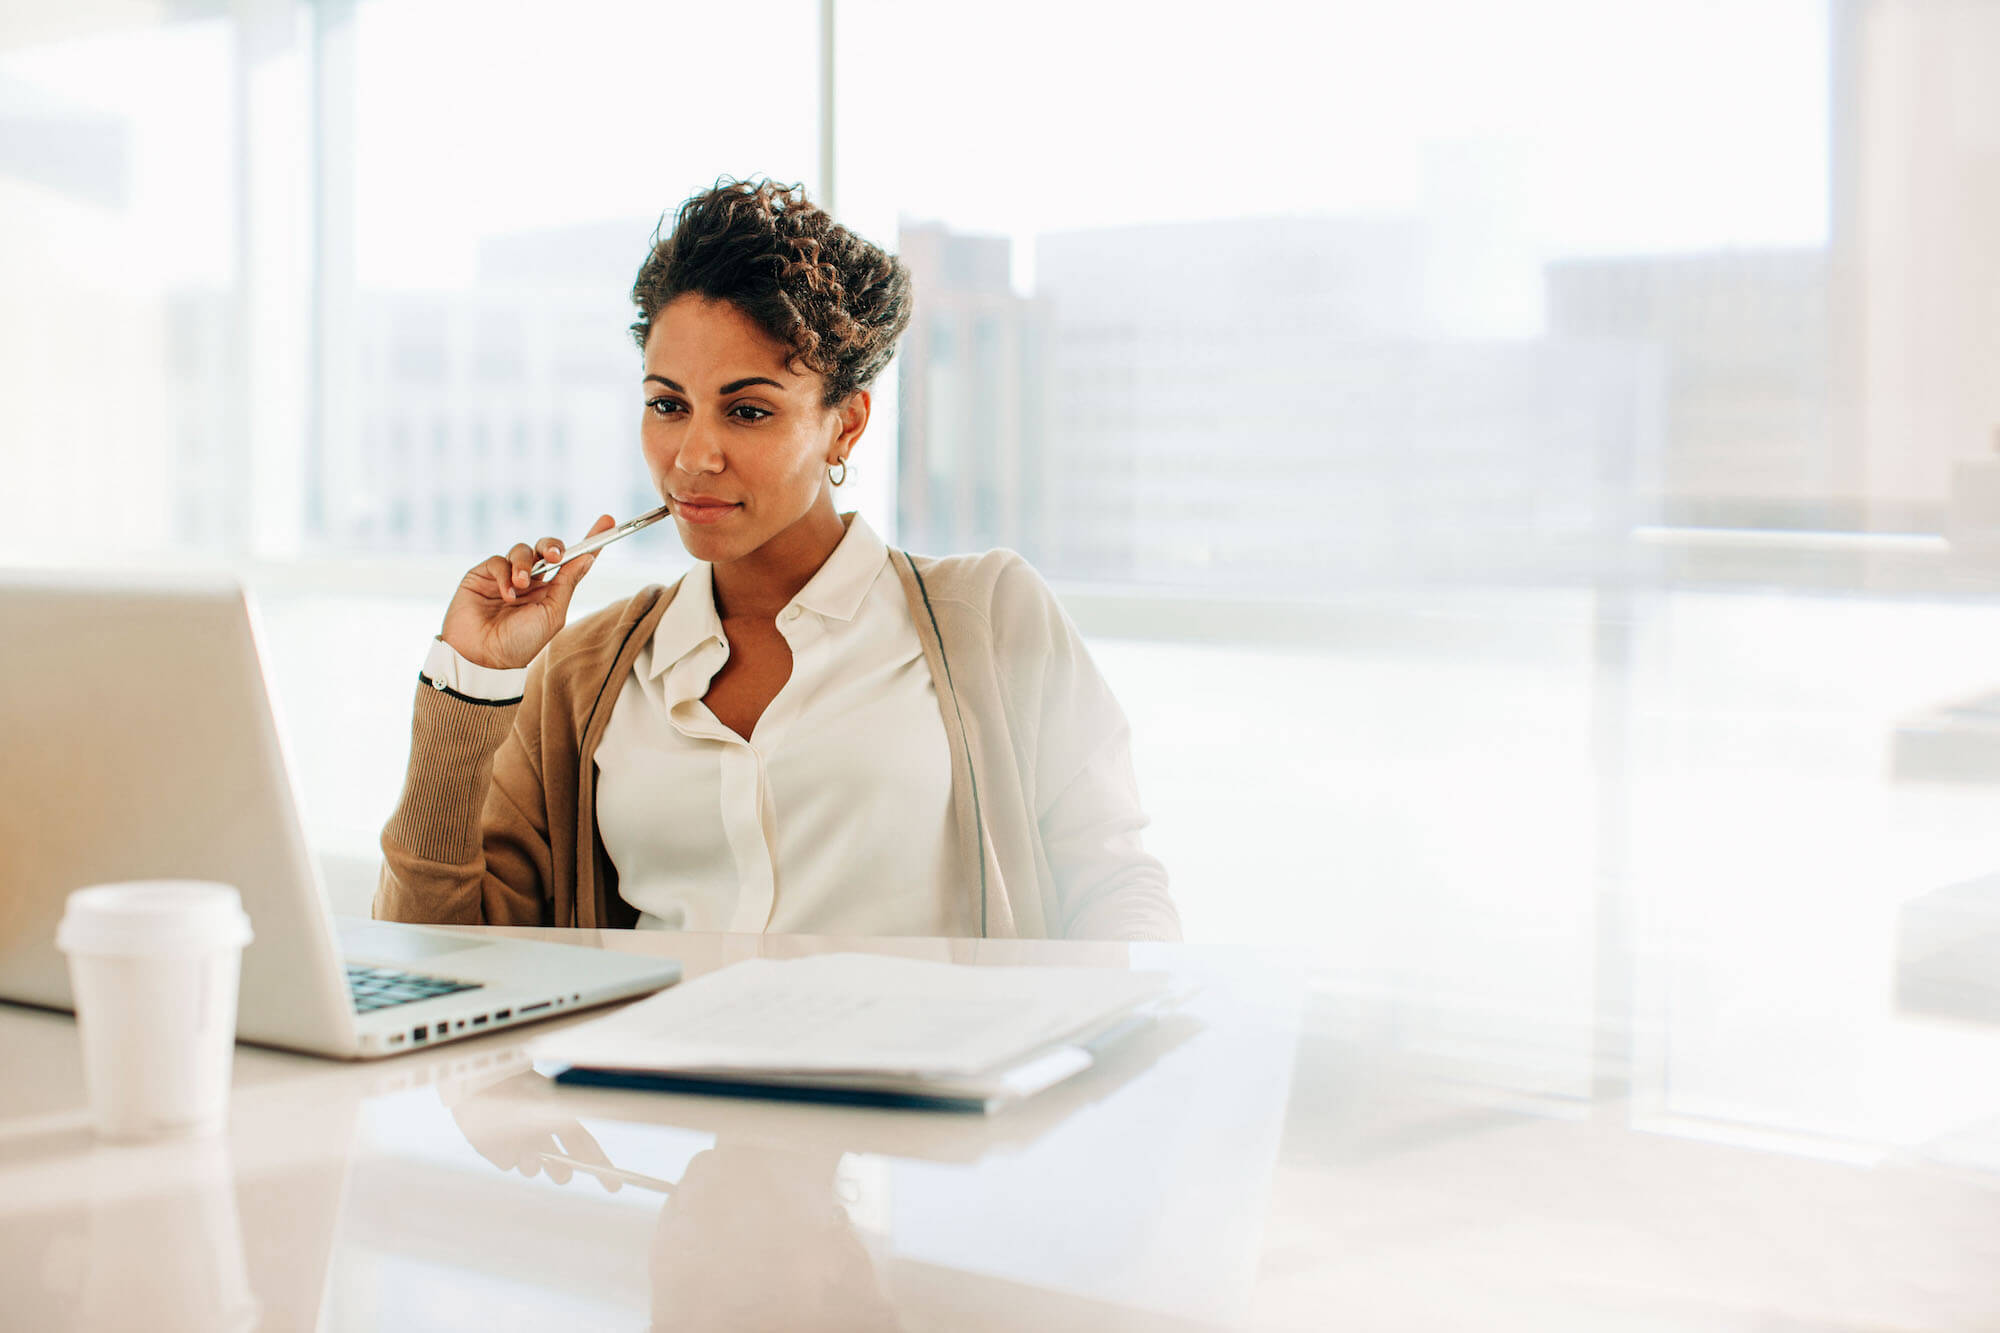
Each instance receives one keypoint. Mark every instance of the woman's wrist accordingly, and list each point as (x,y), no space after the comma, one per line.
(448,667)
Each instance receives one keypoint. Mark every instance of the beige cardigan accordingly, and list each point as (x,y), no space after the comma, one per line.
(497,821)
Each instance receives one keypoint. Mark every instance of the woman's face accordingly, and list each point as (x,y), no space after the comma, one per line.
(736,440)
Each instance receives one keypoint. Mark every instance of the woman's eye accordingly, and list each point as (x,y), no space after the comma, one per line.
(664,407)
(746,412)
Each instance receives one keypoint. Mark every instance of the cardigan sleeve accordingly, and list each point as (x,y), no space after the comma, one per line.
(1085,794)
(468,843)
(1109,885)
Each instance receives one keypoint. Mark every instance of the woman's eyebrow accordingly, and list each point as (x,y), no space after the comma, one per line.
(730,387)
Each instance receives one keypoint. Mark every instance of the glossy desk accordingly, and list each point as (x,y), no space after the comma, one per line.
(1261,1161)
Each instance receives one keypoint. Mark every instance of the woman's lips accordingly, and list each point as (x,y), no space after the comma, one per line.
(703,509)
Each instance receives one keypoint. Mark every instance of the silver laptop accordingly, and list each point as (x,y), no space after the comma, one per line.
(137,741)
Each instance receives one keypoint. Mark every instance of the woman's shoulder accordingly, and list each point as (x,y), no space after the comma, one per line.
(983,579)
(1005,598)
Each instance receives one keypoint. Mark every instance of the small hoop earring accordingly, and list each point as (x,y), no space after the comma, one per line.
(842,465)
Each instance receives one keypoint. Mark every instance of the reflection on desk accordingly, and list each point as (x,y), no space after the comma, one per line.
(701,1212)
(224,1233)
(1289,1159)
(785,1222)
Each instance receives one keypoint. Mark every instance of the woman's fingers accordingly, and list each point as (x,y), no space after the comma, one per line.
(576,1142)
(520,559)
(501,571)
(512,584)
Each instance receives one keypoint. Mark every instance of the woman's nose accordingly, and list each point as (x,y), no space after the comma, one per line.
(699,450)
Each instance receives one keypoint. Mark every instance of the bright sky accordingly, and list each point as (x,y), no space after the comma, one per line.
(1560,126)
(1597,126)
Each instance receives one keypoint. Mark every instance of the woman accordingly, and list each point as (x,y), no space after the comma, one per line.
(810,732)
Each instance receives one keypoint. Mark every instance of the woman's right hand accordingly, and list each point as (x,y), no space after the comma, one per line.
(500,617)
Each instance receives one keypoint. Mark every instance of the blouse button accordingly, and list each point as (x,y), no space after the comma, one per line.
(791,613)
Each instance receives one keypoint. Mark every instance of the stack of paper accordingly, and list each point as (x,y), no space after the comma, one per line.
(862,1028)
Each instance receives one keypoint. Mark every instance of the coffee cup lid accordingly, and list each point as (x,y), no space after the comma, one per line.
(153,916)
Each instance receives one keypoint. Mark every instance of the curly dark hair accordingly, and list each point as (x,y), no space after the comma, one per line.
(839,302)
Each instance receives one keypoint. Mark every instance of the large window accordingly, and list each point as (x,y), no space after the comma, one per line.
(1349,295)
(122,253)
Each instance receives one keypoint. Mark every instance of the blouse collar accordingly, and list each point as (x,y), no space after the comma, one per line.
(835,591)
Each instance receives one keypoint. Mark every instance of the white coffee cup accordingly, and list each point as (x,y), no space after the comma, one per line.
(153,967)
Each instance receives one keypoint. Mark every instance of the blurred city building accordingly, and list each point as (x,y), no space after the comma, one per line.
(1916,208)
(1742,346)
(498,413)
(1283,414)
(972,400)
(1265,404)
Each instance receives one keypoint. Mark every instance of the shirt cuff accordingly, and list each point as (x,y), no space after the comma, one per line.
(444,669)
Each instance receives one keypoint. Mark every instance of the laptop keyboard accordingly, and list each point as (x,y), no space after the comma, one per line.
(381,987)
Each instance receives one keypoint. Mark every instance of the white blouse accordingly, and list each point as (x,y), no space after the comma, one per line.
(832,818)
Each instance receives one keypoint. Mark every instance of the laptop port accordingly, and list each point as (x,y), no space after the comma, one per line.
(503,1014)
(530,1008)
(422,1033)
(479,1021)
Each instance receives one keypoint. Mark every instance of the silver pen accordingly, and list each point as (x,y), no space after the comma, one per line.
(600,541)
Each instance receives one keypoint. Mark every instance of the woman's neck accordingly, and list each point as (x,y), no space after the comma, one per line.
(761,583)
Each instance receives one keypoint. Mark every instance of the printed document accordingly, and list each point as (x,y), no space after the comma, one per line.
(855,1014)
